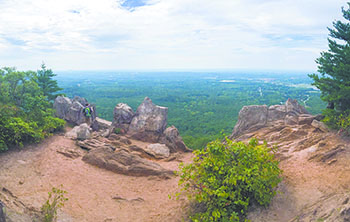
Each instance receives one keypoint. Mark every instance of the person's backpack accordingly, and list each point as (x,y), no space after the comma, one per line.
(87,111)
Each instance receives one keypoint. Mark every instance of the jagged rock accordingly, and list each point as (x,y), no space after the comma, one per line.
(320,125)
(250,117)
(255,117)
(81,132)
(93,144)
(72,110)
(75,113)
(62,105)
(149,121)
(305,119)
(122,114)
(276,112)
(124,163)
(173,140)
(291,120)
(79,99)
(101,124)
(158,150)
(293,108)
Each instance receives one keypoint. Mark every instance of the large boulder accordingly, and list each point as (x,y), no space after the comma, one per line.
(149,121)
(255,117)
(81,132)
(172,139)
(72,110)
(159,151)
(122,114)
(320,125)
(123,162)
(75,113)
(62,105)
(101,124)
(294,108)
(250,118)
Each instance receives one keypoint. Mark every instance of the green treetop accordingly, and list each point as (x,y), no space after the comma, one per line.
(334,67)
(46,83)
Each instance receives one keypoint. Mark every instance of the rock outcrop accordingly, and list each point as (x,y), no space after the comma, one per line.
(123,162)
(254,117)
(72,110)
(159,151)
(122,116)
(81,132)
(149,121)
(171,137)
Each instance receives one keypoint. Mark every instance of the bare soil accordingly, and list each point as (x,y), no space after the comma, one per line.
(27,175)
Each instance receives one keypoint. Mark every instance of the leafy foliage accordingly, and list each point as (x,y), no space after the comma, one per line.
(55,201)
(25,112)
(334,67)
(44,79)
(227,178)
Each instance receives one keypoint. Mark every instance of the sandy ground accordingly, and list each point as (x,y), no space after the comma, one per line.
(94,194)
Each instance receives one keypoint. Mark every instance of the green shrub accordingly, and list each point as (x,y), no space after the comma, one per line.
(55,201)
(226,178)
(117,130)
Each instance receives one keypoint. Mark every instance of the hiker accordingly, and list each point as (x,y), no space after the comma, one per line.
(88,110)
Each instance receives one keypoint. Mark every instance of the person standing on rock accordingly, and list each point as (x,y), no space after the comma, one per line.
(88,110)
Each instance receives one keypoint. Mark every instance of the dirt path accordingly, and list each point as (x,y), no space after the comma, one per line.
(94,194)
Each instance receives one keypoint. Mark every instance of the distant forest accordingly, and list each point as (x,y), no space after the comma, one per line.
(203,106)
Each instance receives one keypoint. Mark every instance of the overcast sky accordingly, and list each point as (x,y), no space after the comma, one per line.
(165,34)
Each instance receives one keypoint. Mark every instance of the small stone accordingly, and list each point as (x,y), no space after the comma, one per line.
(331,161)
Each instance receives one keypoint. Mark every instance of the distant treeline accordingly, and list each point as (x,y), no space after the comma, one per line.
(201,106)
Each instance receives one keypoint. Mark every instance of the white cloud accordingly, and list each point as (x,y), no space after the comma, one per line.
(167,34)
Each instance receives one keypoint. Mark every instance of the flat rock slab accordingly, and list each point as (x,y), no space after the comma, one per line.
(125,163)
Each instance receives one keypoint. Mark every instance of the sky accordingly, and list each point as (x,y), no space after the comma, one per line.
(165,34)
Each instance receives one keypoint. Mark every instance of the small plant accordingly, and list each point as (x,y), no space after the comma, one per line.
(55,201)
(224,179)
(117,130)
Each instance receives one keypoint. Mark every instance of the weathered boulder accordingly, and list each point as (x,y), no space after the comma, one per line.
(276,112)
(305,119)
(320,125)
(172,139)
(255,117)
(122,114)
(249,118)
(125,163)
(158,150)
(72,110)
(81,132)
(93,144)
(293,108)
(101,124)
(149,121)
(62,105)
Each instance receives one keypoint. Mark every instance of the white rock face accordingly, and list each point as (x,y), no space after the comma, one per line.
(81,132)
(158,150)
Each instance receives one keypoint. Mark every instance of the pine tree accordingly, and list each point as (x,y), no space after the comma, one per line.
(334,67)
(46,82)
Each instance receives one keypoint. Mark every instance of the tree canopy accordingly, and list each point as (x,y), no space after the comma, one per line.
(334,66)
(25,111)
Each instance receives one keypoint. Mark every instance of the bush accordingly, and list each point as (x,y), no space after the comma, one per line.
(226,178)
(54,202)
(117,130)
